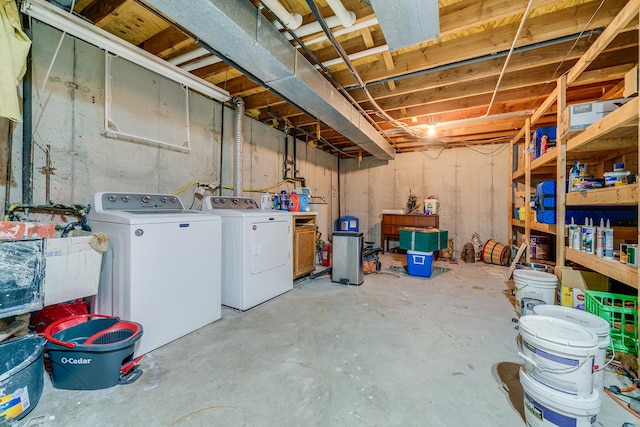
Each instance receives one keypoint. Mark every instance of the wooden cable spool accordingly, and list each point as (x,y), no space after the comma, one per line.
(494,252)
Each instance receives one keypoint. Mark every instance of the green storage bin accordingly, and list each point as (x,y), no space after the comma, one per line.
(422,240)
(444,239)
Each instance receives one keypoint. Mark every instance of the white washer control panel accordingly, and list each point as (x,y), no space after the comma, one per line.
(220,202)
(137,202)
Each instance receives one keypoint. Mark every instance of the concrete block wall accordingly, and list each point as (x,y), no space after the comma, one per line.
(471,184)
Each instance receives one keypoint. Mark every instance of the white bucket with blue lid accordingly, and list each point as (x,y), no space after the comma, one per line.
(533,288)
(559,354)
(545,407)
(596,324)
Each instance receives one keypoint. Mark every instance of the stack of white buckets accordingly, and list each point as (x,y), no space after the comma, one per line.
(564,352)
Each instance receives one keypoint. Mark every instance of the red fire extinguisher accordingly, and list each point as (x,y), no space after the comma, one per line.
(326,255)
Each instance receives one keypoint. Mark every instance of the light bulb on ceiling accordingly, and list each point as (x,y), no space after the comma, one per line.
(431,130)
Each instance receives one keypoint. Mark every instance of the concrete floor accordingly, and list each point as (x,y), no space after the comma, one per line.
(395,351)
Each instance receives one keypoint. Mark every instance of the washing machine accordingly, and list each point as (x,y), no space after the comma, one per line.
(256,251)
(162,265)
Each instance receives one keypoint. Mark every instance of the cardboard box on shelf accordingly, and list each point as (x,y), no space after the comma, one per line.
(572,284)
(583,115)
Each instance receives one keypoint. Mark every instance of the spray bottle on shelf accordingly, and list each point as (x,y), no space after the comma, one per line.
(608,241)
(574,177)
(600,239)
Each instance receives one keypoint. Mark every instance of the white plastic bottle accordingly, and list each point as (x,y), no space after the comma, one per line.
(588,231)
(573,230)
(608,241)
(600,239)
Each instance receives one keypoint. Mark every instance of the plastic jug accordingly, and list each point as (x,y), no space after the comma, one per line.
(294,202)
(265,201)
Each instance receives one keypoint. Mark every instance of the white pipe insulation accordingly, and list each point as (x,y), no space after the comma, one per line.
(347,18)
(239,142)
(290,20)
(310,28)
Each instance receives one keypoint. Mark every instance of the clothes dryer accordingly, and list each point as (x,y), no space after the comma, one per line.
(256,251)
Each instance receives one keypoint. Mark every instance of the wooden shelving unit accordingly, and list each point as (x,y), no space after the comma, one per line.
(614,135)
(614,269)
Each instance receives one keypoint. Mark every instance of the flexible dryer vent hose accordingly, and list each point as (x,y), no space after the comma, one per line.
(239,142)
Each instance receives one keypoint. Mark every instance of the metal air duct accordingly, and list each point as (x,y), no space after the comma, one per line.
(236,30)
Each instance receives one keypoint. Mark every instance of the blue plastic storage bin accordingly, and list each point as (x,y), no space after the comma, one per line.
(419,263)
(348,223)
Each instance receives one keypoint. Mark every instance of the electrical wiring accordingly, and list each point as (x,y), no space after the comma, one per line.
(506,61)
(497,150)
(341,52)
(614,391)
(628,373)
(622,403)
(575,43)
(437,156)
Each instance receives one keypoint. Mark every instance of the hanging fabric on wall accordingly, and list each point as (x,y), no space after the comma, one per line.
(14,47)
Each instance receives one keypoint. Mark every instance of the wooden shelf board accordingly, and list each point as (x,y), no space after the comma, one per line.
(624,195)
(612,268)
(536,226)
(519,174)
(545,159)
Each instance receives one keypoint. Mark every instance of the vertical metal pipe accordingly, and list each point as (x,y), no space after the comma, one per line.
(294,171)
(222,108)
(27,141)
(239,142)
(285,162)
(7,187)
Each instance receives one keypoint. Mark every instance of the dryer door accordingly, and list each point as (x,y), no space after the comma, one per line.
(269,243)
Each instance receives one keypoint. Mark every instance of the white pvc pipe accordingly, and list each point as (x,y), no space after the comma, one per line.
(196,53)
(360,25)
(310,28)
(347,18)
(357,55)
(209,60)
(290,20)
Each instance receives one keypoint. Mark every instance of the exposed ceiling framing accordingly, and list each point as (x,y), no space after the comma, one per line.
(446,83)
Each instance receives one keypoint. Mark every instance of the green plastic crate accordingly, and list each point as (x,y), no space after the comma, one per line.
(621,311)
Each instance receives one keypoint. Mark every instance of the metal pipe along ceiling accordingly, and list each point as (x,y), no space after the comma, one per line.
(248,39)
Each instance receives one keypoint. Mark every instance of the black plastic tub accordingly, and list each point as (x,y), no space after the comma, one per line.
(21,376)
